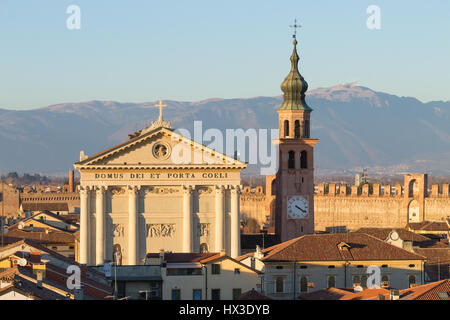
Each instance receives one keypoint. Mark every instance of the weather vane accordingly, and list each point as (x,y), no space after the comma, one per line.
(295,26)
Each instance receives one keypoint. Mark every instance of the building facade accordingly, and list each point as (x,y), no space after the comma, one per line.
(158,190)
(315,262)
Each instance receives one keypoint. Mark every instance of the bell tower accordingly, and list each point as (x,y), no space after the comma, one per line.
(294,182)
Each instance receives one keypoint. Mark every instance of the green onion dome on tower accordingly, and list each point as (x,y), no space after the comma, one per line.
(294,87)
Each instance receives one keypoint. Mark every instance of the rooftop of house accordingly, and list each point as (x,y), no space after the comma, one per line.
(23,284)
(439,290)
(252,295)
(335,247)
(54,262)
(432,226)
(406,235)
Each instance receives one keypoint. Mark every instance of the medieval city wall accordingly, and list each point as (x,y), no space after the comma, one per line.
(71,198)
(353,208)
(253,208)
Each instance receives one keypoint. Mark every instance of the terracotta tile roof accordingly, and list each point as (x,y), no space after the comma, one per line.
(367,294)
(429,226)
(439,290)
(27,287)
(94,282)
(326,247)
(435,255)
(57,237)
(43,206)
(177,257)
(252,295)
(325,294)
(406,235)
(55,254)
(438,262)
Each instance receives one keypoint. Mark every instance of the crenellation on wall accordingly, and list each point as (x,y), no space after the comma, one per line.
(445,190)
(435,190)
(321,189)
(343,190)
(365,190)
(398,190)
(355,191)
(376,190)
(387,191)
(332,189)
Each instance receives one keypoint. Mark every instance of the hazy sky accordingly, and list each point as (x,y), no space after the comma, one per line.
(191,50)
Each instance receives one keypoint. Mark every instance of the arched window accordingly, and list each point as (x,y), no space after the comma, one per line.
(412,280)
(203,248)
(385,281)
(331,281)
(297,129)
(303,160)
(286,128)
(364,281)
(303,284)
(279,283)
(291,161)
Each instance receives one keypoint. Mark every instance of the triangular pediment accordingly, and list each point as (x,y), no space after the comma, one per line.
(159,148)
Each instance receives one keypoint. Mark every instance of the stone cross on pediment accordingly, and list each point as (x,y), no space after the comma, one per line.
(160,106)
(160,123)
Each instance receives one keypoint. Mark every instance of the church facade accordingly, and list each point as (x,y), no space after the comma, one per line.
(157,191)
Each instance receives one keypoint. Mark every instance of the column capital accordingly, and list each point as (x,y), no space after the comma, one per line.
(84,189)
(188,189)
(219,188)
(133,189)
(101,189)
(236,189)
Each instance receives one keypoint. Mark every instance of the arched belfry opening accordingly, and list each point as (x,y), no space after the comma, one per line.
(297,129)
(291,160)
(303,160)
(286,128)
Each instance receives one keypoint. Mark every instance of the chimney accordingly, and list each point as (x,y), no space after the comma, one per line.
(161,257)
(39,271)
(35,257)
(258,253)
(83,269)
(394,294)
(408,245)
(71,181)
(222,252)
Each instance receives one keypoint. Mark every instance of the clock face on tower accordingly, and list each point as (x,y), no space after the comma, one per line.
(297,207)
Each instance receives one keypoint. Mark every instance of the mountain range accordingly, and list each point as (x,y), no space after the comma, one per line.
(357,128)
